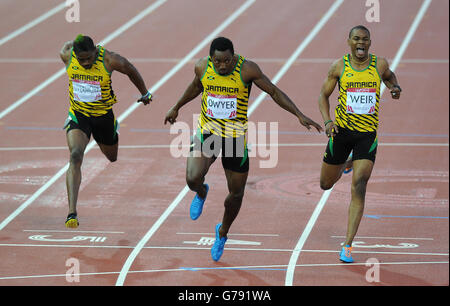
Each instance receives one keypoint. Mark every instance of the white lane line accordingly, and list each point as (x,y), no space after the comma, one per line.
(167,146)
(55,60)
(32,23)
(298,248)
(73,231)
(395,238)
(255,249)
(31,199)
(194,269)
(110,37)
(298,51)
(183,192)
(255,235)
(255,104)
(412,30)
(294,257)
(31,93)
(55,76)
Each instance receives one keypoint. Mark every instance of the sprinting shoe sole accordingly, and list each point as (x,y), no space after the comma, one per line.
(72,221)
(197,205)
(219,245)
(346,254)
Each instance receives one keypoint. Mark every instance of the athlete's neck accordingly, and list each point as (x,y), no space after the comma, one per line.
(359,62)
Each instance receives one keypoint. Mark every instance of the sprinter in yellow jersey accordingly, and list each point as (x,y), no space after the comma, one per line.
(224,79)
(91,97)
(353,133)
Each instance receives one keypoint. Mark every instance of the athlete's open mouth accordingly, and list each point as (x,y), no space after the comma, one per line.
(360,51)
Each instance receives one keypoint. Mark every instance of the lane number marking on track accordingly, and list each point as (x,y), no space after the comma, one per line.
(210,241)
(73,239)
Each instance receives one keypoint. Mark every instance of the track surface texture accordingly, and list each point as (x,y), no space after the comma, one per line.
(135,228)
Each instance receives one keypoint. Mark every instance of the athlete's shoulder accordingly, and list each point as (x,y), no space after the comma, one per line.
(383,67)
(67,46)
(107,54)
(111,57)
(248,64)
(382,62)
(250,71)
(66,51)
(336,68)
(201,65)
(202,62)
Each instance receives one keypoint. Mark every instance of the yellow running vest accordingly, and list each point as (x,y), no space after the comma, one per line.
(359,97)
(90,91)
(224,102)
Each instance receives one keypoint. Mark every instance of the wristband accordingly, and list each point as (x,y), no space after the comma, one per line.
(397,87)
(328,121)
(147,95)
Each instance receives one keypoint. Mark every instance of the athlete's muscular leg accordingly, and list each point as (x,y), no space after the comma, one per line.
(236,186)
(362,169)
(196,170)
(110,151)
(77,142)
(330,174)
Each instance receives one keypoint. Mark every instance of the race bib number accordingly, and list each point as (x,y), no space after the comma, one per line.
(221,107)
(86,91)
(361,101)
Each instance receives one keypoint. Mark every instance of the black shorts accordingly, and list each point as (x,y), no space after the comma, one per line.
(233,151)
(363,144)
(104,128)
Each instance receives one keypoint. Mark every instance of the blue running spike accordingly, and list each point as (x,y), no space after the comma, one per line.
(219,244)
(197,205)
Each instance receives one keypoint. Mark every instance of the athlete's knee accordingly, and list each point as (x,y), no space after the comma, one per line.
(193,180)
(235,196)
(76,156)
(359,187)
(326,184)
(112,157)
(110,152)
(328,178)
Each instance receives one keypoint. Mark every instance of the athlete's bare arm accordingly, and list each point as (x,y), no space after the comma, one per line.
(252,73)
(192,91)
(65,52)
(327,89)
(389,78)
(114,61)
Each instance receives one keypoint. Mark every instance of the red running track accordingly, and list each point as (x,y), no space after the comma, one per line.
(405,226)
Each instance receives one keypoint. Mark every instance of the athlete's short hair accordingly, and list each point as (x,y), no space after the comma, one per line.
(82,44)
(358,27)
(221,44)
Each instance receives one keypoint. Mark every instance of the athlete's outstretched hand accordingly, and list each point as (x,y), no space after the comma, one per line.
(145,99)
(307,122)
(171,116)
(395,92)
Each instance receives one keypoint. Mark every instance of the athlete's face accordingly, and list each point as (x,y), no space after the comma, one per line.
(87,58)
(359,43)
(223,61)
